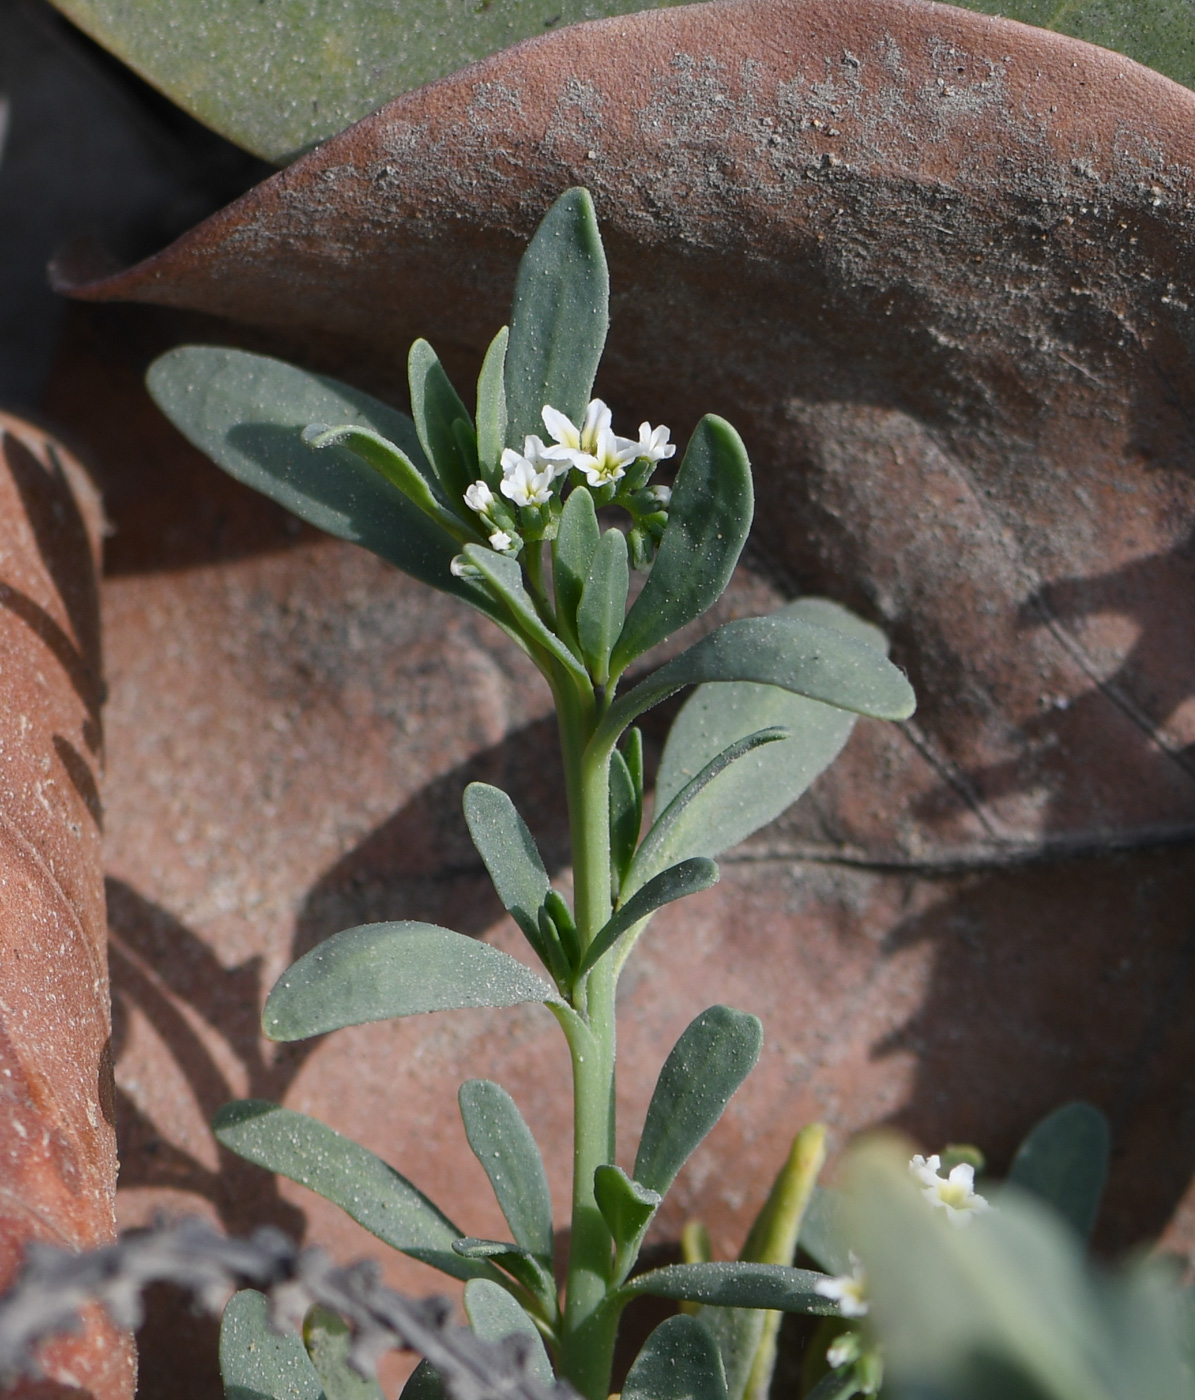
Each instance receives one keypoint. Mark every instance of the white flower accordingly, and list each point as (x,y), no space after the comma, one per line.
(573,439)
(654,444)
(500,541)
(521,482)
(663,495)
(849,1291)
(593,448)
(955,1193)
(609,460)
(479,497)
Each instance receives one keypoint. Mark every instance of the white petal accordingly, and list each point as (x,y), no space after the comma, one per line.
(479,497)
(559,427)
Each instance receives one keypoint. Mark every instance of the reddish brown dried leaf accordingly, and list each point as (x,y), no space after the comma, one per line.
(57,1144)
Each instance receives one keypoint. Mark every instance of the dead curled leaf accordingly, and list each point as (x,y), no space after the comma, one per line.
(57,1143)
(933,265)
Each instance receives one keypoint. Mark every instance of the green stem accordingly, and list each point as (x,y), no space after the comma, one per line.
(589,1328)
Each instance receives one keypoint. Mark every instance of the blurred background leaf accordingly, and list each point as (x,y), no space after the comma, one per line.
(1158,33)
(279,76)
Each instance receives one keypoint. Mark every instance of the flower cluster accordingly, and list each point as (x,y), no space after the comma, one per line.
(955,1194)
(593,450)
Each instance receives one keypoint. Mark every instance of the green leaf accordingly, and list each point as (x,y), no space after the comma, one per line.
(510,855)
(735,1285)
(379,971)
(603,603)
(715,816)
(1013,1290)
(491,406)
(626,1207)
(689,877)
(810,660)
(679,1361)
(713,1056)
(533,1274)
(494,1314)
(247,413)
(1064,1160)
(503,1144)
(424,1384)
(436,407)
(559,320)
(257,1363)
(573,549)
(626,815)
(505,579)
(1157,33)
(708,523)
(673,830)
(328,1340)
(391,463)
(347,1174)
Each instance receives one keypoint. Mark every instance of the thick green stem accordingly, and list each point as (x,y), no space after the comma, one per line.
(587,1335)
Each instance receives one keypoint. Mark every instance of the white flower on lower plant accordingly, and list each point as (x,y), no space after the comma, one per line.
(500,541)
(479,498)
(527,476)
(955,1194)
(843,1350)
(654,445)
(849,1291)
(663,495)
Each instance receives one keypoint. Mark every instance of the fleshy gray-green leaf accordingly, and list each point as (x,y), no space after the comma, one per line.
(736,1285)
(350,1176)
(560,317)
(671,830)
(1064,1160)
(505,579)
(689,877)
(679,1361)
(491,404)
(603,603)
(257,1363)
(504,1145)
(803,657)
(572,554)
(756,788)
(713,1056)
(709,520)
(494,1314)
(435,407)
(328,1340)
(247,413)
(626,814)
(510,855)
(379,971)
(626,1207)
